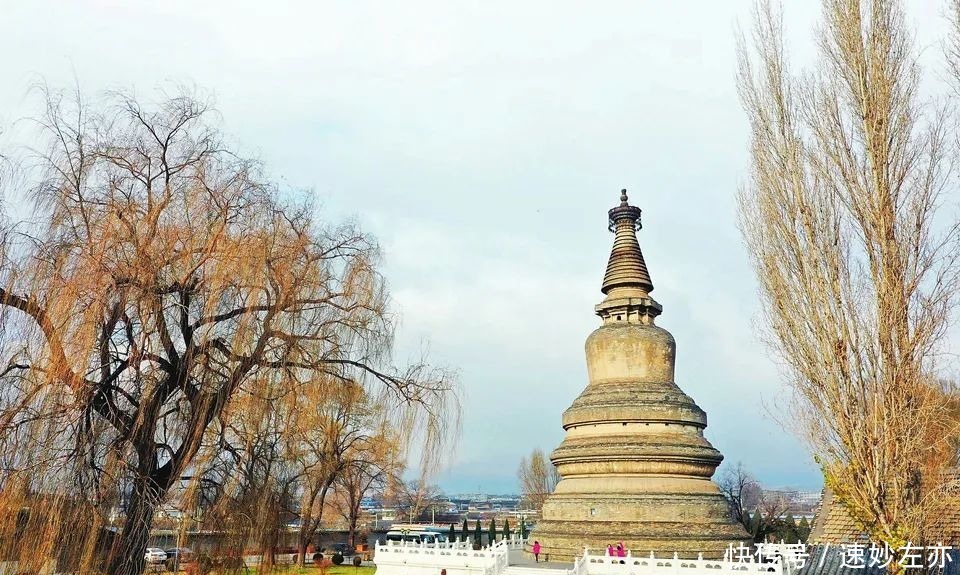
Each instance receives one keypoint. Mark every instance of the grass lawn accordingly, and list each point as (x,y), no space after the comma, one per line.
(311,570)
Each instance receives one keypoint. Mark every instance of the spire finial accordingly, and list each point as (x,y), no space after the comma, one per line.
(626,267)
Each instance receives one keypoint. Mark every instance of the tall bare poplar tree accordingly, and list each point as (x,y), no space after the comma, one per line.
(161,277)
(858,280)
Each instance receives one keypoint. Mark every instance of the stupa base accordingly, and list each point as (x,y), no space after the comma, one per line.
(565,540)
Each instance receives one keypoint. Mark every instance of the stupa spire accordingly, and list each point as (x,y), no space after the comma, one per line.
(626,267)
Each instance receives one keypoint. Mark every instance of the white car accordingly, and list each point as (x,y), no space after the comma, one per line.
(155,555)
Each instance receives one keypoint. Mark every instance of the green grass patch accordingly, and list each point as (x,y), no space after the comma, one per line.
(332,570)
(350,570)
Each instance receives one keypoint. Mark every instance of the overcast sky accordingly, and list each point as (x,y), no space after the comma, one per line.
(482,142)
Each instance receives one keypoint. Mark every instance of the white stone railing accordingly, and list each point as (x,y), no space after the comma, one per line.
(457,558)
(652,565)
(580,564)
(514,542)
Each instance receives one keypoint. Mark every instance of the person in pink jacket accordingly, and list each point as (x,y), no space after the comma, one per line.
(610,552)
(621,550)
(536,551)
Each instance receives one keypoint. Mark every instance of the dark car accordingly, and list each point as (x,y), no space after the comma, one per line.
(342,548)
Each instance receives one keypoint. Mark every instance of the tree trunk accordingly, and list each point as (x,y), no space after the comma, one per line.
(303,538)
(306,530)
(129,548)
(352,534)
(309,529)
(270,542)
(354,516)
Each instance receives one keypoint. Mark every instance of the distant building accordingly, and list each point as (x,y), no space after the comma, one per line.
(811,498)
(796,502)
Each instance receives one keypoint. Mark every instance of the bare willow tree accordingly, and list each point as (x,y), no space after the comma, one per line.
(329,432)
(256,480)
(538,477)
(160,277)
(857,269)
(370,466)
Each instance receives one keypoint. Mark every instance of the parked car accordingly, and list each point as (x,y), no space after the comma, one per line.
(155,555)
(342,549)
(178,556)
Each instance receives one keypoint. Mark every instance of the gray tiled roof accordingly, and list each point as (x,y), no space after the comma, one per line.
(828,560)
(833,525)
